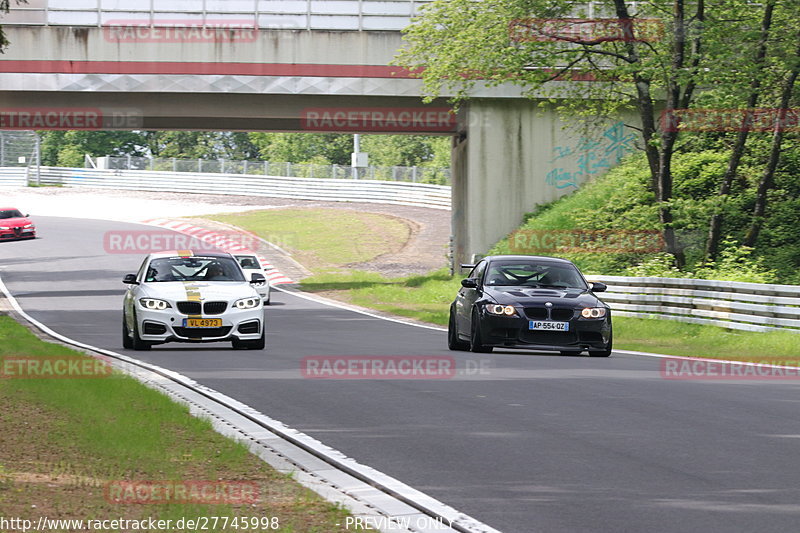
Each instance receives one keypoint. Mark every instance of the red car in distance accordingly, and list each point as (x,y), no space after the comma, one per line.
(14,225)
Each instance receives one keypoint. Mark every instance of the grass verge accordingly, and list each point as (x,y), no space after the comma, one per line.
(325,238)
(67,443)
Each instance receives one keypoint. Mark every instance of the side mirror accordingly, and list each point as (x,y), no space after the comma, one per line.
(257,278)
(469,283)
(598,287)
(130,279)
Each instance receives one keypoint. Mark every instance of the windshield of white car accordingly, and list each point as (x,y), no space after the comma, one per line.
(193,269)
(12,213)
(534,274)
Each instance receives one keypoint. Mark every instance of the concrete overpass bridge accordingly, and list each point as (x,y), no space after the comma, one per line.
(270,65)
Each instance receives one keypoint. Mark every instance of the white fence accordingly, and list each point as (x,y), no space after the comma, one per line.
(728,304)
(417,174)
(13,177)
(402,193)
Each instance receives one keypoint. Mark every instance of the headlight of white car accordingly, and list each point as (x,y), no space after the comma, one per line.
(247,303)
(154,304)
(593,312)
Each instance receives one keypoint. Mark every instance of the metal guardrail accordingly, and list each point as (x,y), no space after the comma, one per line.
(359,15)
(728,304)
(388,192)
(13,177)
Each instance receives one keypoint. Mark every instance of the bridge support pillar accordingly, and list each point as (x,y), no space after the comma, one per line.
(510,156)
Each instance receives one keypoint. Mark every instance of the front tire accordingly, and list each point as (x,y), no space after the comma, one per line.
(475,341)
(127,342)
(258,344)
(136,342)
(453,342)
(603,353)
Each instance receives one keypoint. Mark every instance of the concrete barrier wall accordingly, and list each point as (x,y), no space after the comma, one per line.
(346,190)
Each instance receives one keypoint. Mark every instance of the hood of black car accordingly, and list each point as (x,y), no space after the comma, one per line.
(533,297)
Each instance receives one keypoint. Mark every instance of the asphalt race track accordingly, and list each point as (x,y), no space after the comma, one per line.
(524,442)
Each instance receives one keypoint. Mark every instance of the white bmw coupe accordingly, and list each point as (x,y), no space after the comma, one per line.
(182,297)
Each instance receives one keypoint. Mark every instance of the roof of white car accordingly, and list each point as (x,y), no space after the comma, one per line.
(188,253)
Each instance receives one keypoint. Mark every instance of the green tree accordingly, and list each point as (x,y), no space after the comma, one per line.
(67,148)
(650,59)
(201,145)
(406,150)
(5,5)
(330,148)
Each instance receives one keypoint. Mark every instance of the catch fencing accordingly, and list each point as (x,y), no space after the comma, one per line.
(415,174)
(728,304)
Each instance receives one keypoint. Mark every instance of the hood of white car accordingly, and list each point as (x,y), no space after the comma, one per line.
(206,290)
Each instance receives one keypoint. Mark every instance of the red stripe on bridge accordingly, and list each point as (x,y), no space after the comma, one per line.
(200,68)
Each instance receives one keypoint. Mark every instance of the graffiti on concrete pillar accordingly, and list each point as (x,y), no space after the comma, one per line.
(594,156)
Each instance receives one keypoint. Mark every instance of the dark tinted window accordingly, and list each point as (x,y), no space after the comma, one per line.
(193,269)
(525,273)
(10,213)
(477,272)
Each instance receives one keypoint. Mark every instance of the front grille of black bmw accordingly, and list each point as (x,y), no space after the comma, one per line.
(200,333)
(196,308)
(540,313)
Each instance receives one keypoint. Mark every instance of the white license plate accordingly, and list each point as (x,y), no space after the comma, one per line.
(548,326)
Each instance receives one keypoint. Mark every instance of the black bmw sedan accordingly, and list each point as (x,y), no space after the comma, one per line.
(522,301)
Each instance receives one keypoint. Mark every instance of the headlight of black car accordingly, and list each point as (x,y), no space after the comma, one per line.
(593,312)
(501,310)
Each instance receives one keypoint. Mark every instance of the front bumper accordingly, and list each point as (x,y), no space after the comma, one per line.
(513,332)
(168,326)
(17,233)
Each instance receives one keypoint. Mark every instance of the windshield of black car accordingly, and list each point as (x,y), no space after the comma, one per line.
(12,213)
(534,274)
(248,261)
(193,269)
